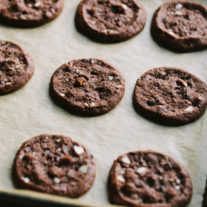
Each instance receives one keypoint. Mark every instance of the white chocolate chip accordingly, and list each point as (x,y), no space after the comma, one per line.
(27,149)
(178,181)
(185,84)
(37,4)
(92,104)
(141,170)
(120,178)
(21,156)
(56,180)
(84,169)
(62,94)
(8,83)
(26,180)
(17,66)
(86,104)
(33,153)
(67,79)
(2,42)
(58,159)
(58,140)
(53,10)
(2,82)
(111,77)
(124,6)
(171,31)
(78,150)
(189,109)
(178,13)
(126,160)
(58,149)
(92,61)
(178,6)
(177,187)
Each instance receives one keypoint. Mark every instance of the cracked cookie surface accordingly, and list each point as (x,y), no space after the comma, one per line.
(29,13)
(54,164)
(181,26)
(110,20)
(87,86)
(147,178)
(16,67)
(170,96)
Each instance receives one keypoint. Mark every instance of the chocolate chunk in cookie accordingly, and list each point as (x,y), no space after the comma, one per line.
(87,86)
(147,178)
(109,20)
(181,26)
(16,67)
(170,96)
(29,13)
(54,164)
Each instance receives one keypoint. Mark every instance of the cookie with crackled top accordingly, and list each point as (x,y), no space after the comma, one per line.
(87,86)
(54,164)
(170,96)
(16,67)
(29,13)
(180,26)
(109,20)
(147,178)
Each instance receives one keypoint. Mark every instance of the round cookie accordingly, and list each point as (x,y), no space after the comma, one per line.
(148,179)
(54,164)
(170,96)
(29,13)
(87,86)
(109,20)
(180,26)
(16,67)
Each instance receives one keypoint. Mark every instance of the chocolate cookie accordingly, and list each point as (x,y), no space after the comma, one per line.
(16,67)
(54,164)
(170,96)
(181,26)
(87,86)
(148,179)
(205,197)
(29,13)
(109,20)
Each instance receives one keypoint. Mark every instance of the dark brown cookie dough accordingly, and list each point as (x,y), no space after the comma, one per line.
(29,13)
(148,179)
(16,67)
(54,164)
(110,20)
(170,96)
(181,26)
(87,86)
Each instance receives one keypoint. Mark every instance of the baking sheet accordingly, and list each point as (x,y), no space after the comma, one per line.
(30,111)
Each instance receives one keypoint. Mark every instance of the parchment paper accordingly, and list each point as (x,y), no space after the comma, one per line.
(30,111)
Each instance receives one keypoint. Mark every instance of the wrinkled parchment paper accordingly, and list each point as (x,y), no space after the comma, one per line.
(30,111)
